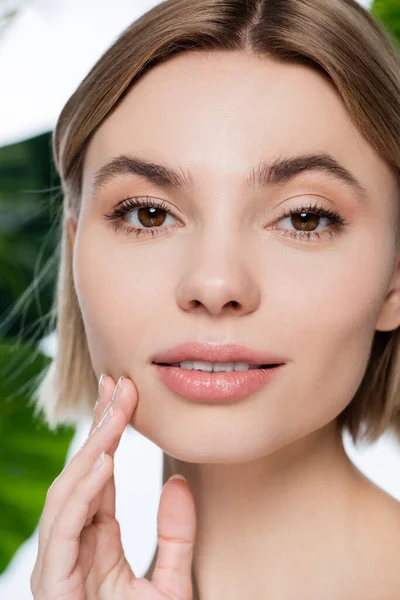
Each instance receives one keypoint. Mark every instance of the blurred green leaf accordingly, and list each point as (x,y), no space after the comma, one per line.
(31,455)
(30,206)
(388,12)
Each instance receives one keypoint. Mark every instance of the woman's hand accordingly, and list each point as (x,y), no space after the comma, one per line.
(80,554)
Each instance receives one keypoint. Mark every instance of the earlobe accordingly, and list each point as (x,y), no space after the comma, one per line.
(389,316)
(71,230)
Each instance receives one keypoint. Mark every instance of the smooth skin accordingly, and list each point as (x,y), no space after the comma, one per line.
(80,553)
(281,511)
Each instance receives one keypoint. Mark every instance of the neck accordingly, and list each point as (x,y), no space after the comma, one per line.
(264,525)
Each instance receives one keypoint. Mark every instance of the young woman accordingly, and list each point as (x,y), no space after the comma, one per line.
(230,246)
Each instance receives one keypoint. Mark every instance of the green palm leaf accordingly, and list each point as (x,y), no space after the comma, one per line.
(31,455)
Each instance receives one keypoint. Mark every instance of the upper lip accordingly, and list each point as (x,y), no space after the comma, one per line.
(212,352)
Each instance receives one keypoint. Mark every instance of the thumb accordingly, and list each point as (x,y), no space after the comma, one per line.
(176,528)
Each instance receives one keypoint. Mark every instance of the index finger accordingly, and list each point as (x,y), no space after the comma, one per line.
(65,483)
(100,404)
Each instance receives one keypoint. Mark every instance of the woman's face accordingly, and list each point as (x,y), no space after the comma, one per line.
(223,262)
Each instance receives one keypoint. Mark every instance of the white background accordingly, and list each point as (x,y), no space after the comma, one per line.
(46,52)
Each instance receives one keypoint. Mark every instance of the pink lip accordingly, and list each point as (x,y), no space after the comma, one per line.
(215,387)
(210,352)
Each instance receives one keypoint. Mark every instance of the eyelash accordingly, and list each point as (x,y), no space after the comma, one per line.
(126,205)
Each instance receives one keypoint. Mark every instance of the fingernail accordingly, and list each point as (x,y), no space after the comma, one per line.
(118,389)
(107,414)
(99,388)
(178,477)
(113,399)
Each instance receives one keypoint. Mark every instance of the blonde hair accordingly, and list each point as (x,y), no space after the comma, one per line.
(339,39)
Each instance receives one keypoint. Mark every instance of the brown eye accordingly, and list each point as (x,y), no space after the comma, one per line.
(142,216)
(311,222)
(305,221)
(151,217)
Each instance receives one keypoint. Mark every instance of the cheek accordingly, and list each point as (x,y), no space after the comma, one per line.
(336,291)
(119,294)
(327,304)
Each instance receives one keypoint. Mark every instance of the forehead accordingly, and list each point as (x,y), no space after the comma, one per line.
(219,113)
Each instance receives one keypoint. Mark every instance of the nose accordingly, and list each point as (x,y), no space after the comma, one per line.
(218,281)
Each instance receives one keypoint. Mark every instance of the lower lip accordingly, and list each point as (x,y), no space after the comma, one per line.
(215,387)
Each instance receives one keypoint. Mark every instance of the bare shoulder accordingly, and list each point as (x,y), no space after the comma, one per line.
(382,511)
(377,540)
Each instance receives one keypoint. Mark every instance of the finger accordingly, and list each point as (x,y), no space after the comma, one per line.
(102,400)
(64,484)
(100,408)
(106,506)
(62,549)
(102,438)
(176,525)
(57,494)
(105,394)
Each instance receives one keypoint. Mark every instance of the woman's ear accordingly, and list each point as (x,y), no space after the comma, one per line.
(71,228)
(389,316)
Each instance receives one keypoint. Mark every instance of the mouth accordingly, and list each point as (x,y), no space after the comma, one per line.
(210,356)
(215,381)
(217,367)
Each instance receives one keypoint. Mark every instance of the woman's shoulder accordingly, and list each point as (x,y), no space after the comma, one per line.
(380,509)
(371,557)
(376,541)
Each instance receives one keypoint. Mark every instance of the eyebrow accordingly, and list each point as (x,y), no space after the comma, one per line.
(283,169)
